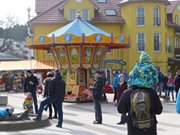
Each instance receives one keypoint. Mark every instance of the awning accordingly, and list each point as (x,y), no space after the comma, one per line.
(27,65)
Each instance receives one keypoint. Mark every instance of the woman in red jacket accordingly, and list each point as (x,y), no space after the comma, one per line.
(119,89)
(171,85)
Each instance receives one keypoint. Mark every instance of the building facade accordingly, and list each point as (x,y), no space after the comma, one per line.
(153,26)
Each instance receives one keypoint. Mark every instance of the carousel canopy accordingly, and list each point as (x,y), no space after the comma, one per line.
(78,27)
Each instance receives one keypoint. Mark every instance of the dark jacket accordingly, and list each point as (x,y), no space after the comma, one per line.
(165,87)
(28,87)
(124,106)
(57,88)
(177,82)
(119,89)
(46,85)
(97,89)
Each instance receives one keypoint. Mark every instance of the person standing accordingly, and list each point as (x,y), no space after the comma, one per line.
(120,88)
(46,94)
(97,96)
(177,82)
(170,87)
(30,85)
(56,92)
(141,101)
(115,80)
(160,82)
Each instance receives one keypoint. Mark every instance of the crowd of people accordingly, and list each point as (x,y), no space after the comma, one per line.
(136,96)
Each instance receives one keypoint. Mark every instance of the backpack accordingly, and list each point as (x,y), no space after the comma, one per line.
(141,115)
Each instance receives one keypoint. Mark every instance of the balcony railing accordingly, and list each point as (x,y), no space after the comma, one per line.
(177,52)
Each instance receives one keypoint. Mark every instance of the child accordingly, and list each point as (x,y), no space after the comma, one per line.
(28,103)
(6,112)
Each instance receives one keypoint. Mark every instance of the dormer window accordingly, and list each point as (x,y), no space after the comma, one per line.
(102,1)
(110,12)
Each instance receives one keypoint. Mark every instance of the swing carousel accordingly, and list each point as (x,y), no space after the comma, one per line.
(79,48)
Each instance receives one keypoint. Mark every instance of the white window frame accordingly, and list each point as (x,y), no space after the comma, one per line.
(137,42)
(169,45)
(159,44)
(70,14)
(176,42)
(87,15)
(156,16)
(138,16)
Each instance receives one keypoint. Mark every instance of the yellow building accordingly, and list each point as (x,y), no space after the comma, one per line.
(151,25)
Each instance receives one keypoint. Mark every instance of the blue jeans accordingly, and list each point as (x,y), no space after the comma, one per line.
(98,112)
(58,104)
(35,101)
(171,89)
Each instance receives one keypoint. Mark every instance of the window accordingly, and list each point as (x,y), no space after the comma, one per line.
(102,1)
(72,14)
(156,16)
(176,42)
(157,41)
(85,14)
(169,45)
(140,17)
(176,19)
(140,42)
(110,12)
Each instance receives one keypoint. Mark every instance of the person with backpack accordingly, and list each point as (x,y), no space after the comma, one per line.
(141,101)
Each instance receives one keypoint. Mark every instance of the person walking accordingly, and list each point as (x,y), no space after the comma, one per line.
(97,96)
(46,94)
(120,88)
(160,81)
(30,84)
(177,82)
(56,92)
(141,101)
(170,87)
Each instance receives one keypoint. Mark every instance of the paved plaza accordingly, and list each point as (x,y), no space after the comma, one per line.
(78,119)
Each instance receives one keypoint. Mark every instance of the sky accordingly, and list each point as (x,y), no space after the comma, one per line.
(17,9)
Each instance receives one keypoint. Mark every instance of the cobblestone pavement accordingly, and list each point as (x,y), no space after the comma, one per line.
(78,119)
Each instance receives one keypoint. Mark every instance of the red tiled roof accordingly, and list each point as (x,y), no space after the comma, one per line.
(43,5)
(171,7)
(126,1)
(101,15)
(50,14)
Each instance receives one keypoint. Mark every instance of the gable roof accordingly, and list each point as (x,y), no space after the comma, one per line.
(43,5)
(129,1)
(172,6)
(50,14)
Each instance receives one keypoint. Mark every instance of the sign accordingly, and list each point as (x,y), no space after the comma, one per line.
(115,62)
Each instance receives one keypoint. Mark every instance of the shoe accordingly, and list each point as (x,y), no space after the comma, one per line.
(37,119)
(55,117)
(120,123)
(97,122)
(59,125)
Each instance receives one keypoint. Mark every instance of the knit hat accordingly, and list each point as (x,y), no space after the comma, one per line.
(144,74)
(121,75)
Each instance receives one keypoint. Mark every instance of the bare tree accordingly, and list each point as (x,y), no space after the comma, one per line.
(7,41)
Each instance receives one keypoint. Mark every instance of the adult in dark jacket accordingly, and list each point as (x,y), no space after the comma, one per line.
(30,84)
(177,82)
(97,97)
(143,76)
(56,95)
(119,89)
(46,94)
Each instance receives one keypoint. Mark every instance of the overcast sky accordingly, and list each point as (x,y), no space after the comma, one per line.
(17,8)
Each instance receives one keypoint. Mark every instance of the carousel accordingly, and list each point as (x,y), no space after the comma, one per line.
(79,48)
